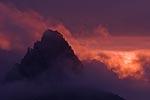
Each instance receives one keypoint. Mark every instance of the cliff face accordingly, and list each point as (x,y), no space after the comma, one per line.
(51,52)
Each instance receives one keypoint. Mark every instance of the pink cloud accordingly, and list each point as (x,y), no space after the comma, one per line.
(19,28)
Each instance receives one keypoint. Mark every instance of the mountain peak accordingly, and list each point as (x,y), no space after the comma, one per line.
(51,52)
(49,34)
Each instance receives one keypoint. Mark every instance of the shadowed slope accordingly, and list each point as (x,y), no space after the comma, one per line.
(52,52)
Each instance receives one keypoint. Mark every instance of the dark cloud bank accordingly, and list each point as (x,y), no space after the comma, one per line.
(123,17)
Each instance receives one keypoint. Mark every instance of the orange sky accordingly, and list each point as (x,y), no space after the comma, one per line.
(124,55)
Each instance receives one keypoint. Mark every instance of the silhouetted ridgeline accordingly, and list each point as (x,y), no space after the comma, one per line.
(53,54)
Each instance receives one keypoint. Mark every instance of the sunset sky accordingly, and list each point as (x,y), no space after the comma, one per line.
(114,32)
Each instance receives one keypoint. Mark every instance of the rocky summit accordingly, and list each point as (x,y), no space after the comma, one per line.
(51,52)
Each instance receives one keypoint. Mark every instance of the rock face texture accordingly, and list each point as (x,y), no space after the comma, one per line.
(51,52)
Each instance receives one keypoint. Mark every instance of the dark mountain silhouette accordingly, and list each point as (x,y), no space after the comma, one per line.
(52,52)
